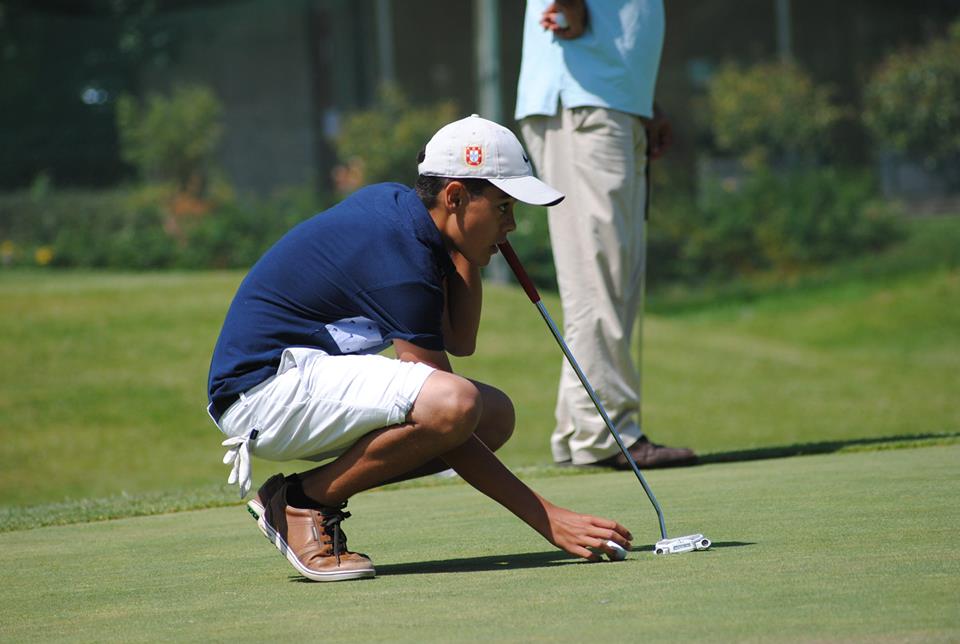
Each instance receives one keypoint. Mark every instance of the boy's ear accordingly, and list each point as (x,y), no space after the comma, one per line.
(454,194)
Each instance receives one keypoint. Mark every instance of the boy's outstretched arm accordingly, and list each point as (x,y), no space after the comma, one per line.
(570,531)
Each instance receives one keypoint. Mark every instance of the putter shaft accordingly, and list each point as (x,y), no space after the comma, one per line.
(508,254)
(603,413)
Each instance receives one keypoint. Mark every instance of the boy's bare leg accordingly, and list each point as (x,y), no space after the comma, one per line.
(447,411)
(494,429)
(442,425)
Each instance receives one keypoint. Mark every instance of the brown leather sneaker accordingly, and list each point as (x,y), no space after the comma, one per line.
(312,541)
(650,456)
(272,485)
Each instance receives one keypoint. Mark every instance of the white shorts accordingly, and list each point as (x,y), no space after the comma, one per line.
(318,405)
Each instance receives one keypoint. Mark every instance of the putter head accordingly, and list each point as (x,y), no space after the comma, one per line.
(676,545)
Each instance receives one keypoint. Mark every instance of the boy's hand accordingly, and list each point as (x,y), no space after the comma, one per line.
(578,533)
(570,531)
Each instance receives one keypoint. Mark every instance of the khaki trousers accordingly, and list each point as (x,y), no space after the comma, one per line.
(597,157)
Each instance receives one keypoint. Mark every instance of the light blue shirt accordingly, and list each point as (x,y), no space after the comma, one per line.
(613,64)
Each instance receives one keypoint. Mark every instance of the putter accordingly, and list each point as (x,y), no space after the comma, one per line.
(665,546)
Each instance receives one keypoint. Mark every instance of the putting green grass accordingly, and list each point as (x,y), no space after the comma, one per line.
(840,547)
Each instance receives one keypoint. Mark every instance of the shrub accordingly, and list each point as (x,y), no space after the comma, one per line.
(783,222)
(382,143)
(770,111)
(912,101)
(237,234)
(124,229)
(84,228)
(770,222)
(172,139)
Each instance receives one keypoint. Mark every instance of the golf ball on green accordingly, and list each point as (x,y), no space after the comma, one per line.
(617,553)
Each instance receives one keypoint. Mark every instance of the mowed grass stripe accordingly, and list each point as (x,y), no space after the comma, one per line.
(835,547)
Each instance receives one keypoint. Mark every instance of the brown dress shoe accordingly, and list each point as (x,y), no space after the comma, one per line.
(649,456)
(311,539)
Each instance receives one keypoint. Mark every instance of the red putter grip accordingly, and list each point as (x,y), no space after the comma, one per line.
(507,251)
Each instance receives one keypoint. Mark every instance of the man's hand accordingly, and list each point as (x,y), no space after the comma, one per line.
(578,533)
(573,22)
(659,134)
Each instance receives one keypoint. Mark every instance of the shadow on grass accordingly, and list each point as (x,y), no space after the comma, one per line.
(828,447)
(474,564)
(516,561)
(481,564)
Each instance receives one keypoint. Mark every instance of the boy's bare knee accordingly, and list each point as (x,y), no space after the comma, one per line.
(449,405)
(466,408)
(499,417)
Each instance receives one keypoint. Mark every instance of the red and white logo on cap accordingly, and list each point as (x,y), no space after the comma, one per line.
(473,156)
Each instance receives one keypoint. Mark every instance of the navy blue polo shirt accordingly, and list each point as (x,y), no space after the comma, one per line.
(348,280)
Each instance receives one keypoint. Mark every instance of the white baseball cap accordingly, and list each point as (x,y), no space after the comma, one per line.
(475,148)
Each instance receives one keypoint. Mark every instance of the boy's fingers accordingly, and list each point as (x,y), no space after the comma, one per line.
(619,539)
(623,532)
(597,537)
(584,553)
(613,525)
(601,546)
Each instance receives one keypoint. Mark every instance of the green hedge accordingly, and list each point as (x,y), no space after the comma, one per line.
(912,103)
(382,143)
(767,222)
(125,229)
(770,111)
(782,222)
(172,138)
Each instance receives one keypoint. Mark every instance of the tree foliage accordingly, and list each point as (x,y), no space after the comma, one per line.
(172,138)
(913,101)
(382,143)
(770,111)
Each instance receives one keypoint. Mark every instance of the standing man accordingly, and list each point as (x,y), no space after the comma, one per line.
(293,375)
(586,111)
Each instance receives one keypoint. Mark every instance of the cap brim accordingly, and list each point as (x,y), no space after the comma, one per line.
(529,190)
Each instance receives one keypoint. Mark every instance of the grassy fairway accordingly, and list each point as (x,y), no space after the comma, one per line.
(853,361)
(853,547)
(103,378)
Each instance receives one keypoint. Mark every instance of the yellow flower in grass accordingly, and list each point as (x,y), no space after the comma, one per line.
(43,255)
(7,250)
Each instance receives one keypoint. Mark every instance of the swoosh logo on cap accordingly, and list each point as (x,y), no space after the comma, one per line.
(525,159)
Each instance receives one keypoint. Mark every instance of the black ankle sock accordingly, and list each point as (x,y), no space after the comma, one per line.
(297,498)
